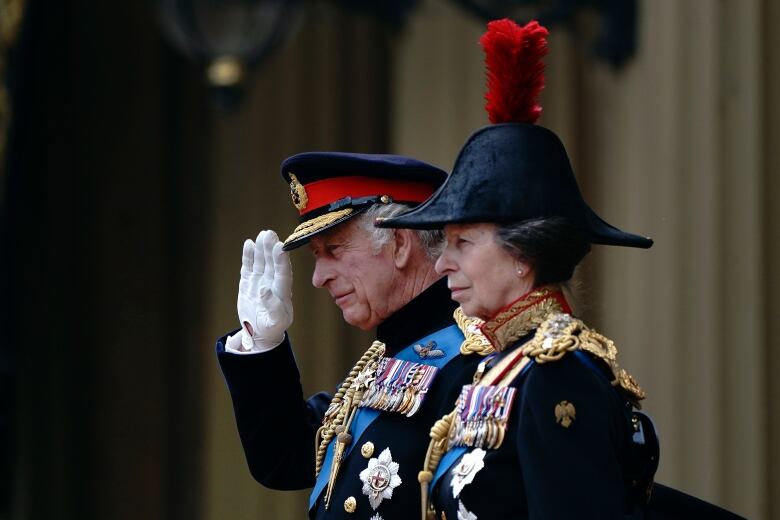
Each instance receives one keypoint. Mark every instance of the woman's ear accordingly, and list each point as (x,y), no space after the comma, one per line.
(402,253)
(523,269)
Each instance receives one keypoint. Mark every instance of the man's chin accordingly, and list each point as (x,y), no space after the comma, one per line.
(360,321)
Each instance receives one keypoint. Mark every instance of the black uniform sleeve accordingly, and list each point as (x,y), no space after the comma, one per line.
(276,425)
(570,472)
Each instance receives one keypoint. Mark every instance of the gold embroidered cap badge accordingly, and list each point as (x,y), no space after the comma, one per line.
(298,193)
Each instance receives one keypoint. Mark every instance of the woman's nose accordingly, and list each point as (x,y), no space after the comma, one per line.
(443,264)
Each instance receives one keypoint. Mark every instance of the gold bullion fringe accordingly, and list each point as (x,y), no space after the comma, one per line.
(557,336)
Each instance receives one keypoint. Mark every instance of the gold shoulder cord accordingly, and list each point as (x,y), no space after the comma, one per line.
(341,411)
(557,335)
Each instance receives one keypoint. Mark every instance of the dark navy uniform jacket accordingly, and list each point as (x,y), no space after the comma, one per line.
(588,470)
(277,425)
(544,470)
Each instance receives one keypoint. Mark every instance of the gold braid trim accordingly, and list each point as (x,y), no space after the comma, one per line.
(475,342)
(556,336)
(342,403)
(523,316)
(317,223)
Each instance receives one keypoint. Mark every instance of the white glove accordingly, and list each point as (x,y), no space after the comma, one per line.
(264,293)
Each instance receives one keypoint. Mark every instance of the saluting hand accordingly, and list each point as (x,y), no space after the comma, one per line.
(264,293)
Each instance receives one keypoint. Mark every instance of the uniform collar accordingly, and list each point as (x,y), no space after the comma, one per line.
(523,315)
(428,312)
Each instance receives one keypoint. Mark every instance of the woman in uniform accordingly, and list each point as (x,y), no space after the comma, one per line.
(548,429)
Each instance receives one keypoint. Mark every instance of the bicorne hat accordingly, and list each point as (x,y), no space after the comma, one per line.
(329,188)
(513,170)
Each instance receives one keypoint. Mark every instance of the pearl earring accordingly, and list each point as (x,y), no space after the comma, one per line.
(519,272)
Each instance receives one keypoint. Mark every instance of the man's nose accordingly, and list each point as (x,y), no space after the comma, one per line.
(322,273)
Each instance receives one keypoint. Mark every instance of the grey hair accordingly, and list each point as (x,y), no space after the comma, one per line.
(432,240)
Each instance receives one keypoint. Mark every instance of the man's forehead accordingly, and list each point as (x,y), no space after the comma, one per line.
(349,231)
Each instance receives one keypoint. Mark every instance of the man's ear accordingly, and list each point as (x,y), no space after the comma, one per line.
(404,240)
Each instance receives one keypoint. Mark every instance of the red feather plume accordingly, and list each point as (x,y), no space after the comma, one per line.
(515,70)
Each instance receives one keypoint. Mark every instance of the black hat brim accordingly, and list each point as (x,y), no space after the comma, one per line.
(510,173)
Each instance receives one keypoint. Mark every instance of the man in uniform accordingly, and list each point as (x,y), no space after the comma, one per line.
(370,437)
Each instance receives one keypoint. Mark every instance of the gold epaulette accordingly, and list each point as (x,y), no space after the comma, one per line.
(561,333)
(475,342)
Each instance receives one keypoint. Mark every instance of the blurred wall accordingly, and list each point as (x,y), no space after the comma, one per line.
(103,240)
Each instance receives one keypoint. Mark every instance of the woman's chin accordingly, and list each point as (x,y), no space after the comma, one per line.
(473,311)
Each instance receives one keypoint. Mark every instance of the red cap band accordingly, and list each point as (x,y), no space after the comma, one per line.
(326,191)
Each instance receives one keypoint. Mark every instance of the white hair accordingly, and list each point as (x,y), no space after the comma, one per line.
(432,240)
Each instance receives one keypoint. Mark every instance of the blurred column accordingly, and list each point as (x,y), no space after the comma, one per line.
(770,236)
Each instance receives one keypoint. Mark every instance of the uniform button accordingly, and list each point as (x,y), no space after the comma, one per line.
(367,449)
(350,505)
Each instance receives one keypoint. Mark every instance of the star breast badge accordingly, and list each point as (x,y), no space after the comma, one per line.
(464,471)
(380,478)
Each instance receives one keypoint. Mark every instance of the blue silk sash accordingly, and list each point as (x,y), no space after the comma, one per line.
(448,340)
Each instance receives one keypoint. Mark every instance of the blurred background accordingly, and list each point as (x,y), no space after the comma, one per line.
(140,144)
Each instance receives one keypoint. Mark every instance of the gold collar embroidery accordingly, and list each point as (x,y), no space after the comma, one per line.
(523,316)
